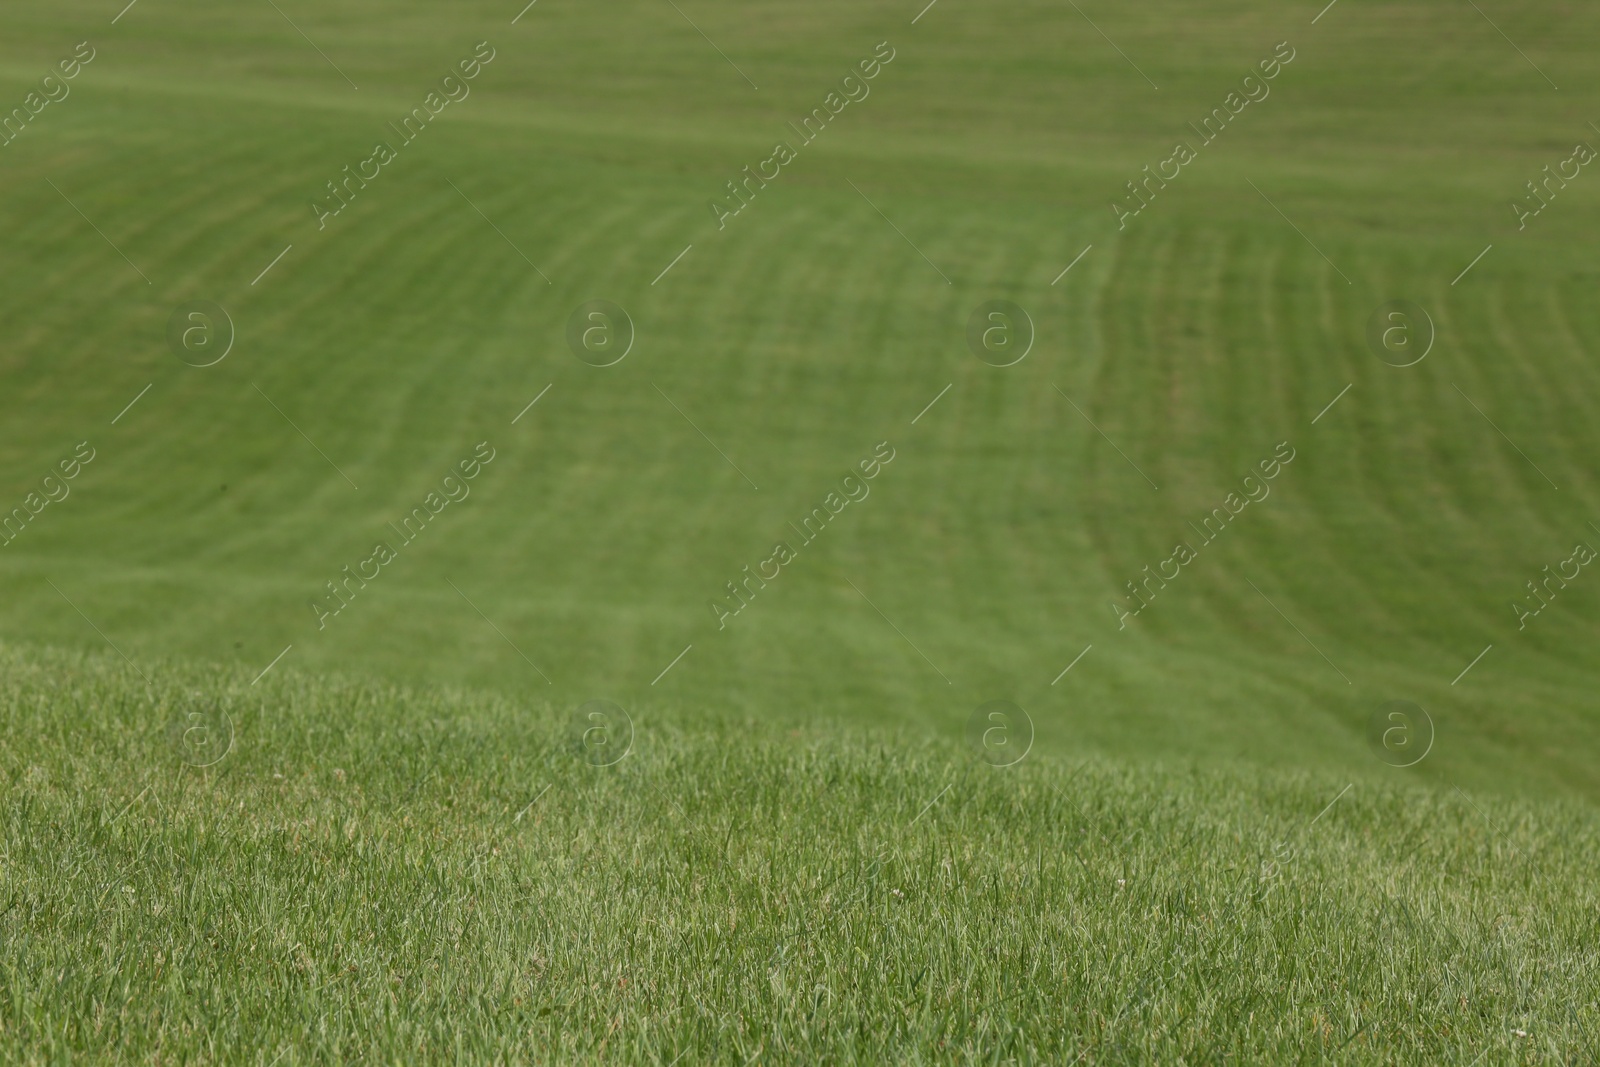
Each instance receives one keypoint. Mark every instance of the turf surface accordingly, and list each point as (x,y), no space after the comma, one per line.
(1224,324)
(381,874)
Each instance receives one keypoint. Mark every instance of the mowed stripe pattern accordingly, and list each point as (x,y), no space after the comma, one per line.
(797,339)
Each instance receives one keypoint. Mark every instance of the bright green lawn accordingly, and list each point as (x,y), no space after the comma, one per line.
(805,333)
(1172,358)
(381,874)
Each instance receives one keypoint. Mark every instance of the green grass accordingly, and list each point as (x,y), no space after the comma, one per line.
(808,331)
(387,874)
(1179,352)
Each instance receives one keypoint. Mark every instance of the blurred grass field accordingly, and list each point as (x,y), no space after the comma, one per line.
(1176,354)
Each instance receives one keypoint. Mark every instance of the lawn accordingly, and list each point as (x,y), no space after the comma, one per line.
(384,874)
(400,379)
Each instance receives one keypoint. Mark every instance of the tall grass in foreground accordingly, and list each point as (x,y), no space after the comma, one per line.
(387,875)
